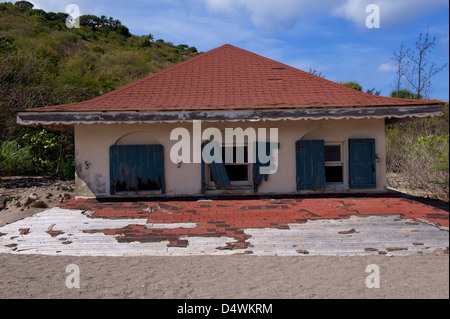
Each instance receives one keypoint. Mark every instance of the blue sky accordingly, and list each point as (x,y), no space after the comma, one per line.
(329,36)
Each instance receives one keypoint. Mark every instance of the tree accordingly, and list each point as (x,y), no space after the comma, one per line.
(356,86)
(89,20)
(404,94)
(317,73)
(352,85)
(422,70)
(373,91)
(401,66)
(24,4)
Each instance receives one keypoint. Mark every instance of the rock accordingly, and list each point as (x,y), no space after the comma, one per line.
(2,202)
(33,196)
(26,201)
(39,204)
(67,196)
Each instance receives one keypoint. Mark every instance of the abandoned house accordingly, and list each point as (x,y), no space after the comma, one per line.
(327,138)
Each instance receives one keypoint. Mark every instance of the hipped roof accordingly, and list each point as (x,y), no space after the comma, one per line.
(230,78)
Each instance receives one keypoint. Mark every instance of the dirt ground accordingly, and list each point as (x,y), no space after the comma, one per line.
(420,276)
(17,200)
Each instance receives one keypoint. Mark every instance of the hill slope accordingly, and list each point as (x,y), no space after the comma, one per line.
(42,62)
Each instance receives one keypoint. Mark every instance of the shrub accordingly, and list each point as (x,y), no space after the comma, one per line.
(15,160)
(67,167)
(418,164)
(437,147)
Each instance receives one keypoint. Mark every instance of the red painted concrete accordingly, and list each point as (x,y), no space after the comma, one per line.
(230,218)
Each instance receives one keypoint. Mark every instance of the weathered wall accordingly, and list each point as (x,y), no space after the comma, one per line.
(92,144)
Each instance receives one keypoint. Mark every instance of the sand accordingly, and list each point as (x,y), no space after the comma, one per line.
(224,277)
(217,277)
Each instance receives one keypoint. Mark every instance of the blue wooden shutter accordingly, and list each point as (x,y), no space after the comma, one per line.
(135,168)
(257,176)
(310,158)
(362,163)
(218,170)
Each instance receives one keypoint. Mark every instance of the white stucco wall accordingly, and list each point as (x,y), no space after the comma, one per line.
(92,144)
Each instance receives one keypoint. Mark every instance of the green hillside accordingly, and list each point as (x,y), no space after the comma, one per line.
(42,62)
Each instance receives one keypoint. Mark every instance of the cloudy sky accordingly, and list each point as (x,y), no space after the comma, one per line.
(329,36)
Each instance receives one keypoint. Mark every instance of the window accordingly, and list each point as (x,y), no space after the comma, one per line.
(239,174)
(136,168)
(333,165)
(321,165)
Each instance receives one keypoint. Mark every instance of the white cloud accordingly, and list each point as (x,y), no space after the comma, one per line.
(270,14)
(391,12)
(273,14)
(387,67)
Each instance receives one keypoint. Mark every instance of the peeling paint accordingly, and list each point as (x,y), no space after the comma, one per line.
(270,227)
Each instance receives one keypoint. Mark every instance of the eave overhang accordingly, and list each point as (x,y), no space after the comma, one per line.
(132,117)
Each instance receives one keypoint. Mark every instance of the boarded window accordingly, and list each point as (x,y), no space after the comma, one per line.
(136,168)
(362,163)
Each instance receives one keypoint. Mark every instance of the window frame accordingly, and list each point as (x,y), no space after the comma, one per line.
(342,163)
(210,184)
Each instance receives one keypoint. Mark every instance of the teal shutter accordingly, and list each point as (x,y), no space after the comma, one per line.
(310,160)
(204,186)
(362,162)
(135,168)
(218,171)
(257,176)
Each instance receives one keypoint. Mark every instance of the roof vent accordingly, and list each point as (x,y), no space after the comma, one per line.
(275,80)
(278,68)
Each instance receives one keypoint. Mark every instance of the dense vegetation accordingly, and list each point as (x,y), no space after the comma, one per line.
(42,62)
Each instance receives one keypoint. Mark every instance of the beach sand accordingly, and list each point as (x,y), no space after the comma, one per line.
(225,277)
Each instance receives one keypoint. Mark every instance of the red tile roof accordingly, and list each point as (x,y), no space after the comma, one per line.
(231,78)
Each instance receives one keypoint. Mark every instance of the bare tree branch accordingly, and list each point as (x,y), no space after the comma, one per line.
(420,75)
